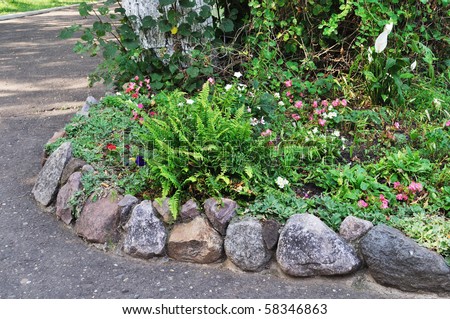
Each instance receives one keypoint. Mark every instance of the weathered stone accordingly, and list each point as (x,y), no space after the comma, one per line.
(63,209)
(146,235)
(87,169)
(189,210)
(56,136)
(87,105)
(163,210)
(353,228)
(125,206)
(307,247)
(220,214)
(195,241)
(74,165)
(99,220)
(244,244)
(397,261)
(47,182)
(271,233)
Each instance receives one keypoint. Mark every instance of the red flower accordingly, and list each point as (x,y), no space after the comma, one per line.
(111,147)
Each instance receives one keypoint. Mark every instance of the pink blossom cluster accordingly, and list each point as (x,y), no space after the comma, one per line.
(403,191)
(136,87)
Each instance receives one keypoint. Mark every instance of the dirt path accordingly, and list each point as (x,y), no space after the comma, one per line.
(42,83)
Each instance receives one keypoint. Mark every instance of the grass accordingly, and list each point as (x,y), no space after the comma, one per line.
(14,6)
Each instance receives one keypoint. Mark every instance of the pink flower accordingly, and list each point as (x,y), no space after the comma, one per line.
(296,117)
(401,196)
(315,104)
(447,123)
(288,93)
(322,122)
(298,104)
(344,102)
(211,81)
(324,103)
(135,115)
(140,105)
(135,95)
(384,202)
(136,78)
(311,118)
(147,80)
(335,102)
(397,125)
(152,113)
(266,133)
(141,120)
(415,187)
(288,83)
(362,204)
(397,185)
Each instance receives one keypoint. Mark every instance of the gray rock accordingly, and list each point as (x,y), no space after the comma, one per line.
(125,206)
(74,165)
(87,105)
(87,169)
(146,235)
(271,233)
(99,220)
(307,247)
(63,209)
(397,261)
(163,210)
(195,241)
(220,214)
(353,228)
(47,182)
(244,244)
(189,210)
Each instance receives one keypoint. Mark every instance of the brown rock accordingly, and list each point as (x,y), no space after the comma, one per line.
(74,165)
(189,210)
(195,241)
(63,209)
(56,135)
(99,220)
(220,213)
(353,228)
(163,210)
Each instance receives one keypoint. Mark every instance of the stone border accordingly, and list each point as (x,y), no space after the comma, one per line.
(303,247)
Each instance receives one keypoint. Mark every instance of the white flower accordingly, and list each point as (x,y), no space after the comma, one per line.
(262,121)
(228,87)
(281,103)
(277,95)
(337,133)
(381,42)
(332,114)
(413,65)
(254,121)
(237,74)
(388,28)
(241,87)
(281,182)
(315,130)
(189,101)
(249,110)
(437,102)
(180,104)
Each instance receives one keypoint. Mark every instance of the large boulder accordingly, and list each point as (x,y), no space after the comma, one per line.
(99,220)
(398,261)
(146,235)
(244,244)
(220,213)
(63,208)
(47,183)
(307,247)
(195,241)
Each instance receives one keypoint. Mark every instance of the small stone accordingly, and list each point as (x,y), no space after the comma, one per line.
(87,105)
(49,177)
(163,210)
(397,261)
(244,244)
(307,247)
(195,241)
(353,228)
(87,169)
(126,205)
(189,210)
(271,233)
(220,214)
(65,194)
(99,220)
(146,235)
(56,136)
(74,165)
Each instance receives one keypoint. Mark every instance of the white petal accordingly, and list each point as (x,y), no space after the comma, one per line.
(413,65)
(388,27)
(381,42)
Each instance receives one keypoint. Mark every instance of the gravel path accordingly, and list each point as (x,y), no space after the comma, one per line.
(42,83)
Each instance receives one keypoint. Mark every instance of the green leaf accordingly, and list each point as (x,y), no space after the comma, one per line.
(166,2)
(164,25)
(193,71)
(148,22)
(67,33)
(227,25)
(84,9)
(184,29)
(187,3)
(363,186)
(390,63)
(205,12)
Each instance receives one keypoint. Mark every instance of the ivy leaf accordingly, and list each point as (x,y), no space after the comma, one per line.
(187,3)
(193,71)
(205,12)
(84,9)
(227,25)
(184,29)
(164,26)
(148,22)
(166,2)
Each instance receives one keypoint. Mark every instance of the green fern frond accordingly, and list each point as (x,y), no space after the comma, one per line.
(174,204)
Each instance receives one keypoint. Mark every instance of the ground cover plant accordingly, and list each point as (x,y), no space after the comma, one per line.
(13,6)
(291,111)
